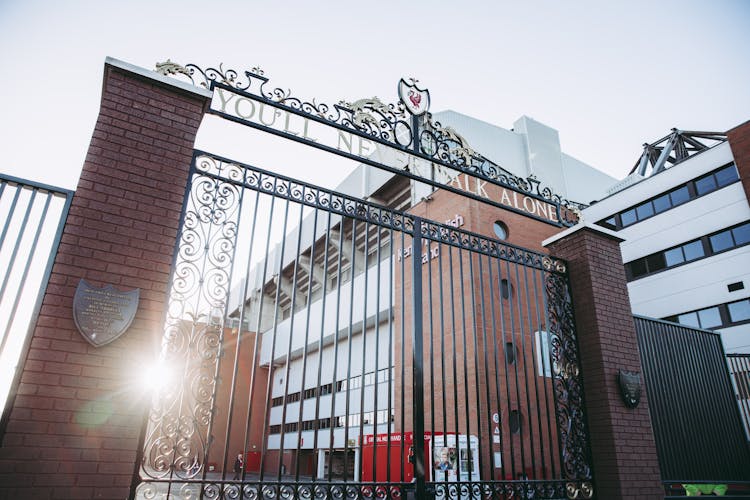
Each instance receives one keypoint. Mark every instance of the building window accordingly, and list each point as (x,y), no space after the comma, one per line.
(514,422)
(704,318)
(351,383)
(679,196)
(662,203)
(688,319)
(510,353)
(721,241)
(705,185)
(308,425)
(369,379)
(274,429)
(628,217)
(741,234)
(292,398)
(693,250)
(644,211)
(673,257)
(384,374)
(501,230)
(277,401)
(739,311)
(709,318)
(506,289)
(726,176)
(694,189)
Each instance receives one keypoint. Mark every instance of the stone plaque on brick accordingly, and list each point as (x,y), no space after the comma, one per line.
(103,314)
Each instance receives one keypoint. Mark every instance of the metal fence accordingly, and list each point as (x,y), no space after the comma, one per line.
(697,426)
(739,370)
(32,216)
(324,347)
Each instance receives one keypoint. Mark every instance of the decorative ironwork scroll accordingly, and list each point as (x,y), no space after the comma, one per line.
(568,389)
(279,186)
(272,490)
(477,243)
(391,125)
(514,489)
(179,425)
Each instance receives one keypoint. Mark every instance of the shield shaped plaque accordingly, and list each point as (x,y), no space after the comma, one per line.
(630,387)
(103,314)
(416,100)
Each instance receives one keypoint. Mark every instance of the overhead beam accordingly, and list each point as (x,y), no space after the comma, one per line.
(346,251)
(286,286)
(316,271)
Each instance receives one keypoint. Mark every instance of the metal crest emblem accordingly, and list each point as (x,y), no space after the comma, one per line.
(103,314)
(630,387)
(416,100)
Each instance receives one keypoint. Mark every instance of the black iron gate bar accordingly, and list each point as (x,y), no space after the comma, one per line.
(49,193)
(224,182)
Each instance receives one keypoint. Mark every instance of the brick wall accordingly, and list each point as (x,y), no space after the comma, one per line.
(625,462)
(739,141)
(76,416)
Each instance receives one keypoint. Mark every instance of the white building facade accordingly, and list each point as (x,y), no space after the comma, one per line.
(323,367)
(686,228)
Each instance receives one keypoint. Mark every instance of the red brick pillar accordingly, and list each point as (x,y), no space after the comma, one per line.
(625,463)
(739,141)
(75,419)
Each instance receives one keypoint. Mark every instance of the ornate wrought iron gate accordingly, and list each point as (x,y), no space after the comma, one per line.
(321,358)
(318,345)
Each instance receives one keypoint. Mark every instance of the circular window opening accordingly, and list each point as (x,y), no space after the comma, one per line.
(501,230)
(510,353)
(506,289)
(514,422)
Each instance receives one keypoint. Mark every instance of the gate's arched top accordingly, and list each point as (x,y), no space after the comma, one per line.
(406,125)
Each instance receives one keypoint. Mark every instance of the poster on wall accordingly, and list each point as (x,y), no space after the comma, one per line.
(445,462)
(455,460)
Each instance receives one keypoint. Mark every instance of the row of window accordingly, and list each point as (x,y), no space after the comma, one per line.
(342,385)
(514,422)
(718,316)
(341,421)
(721,241)
(673,198)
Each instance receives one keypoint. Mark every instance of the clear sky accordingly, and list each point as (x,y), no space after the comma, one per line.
(608,76)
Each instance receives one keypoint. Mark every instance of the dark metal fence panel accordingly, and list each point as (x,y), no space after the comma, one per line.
(32,216)
(739,370)
(697,426)
(344,349)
